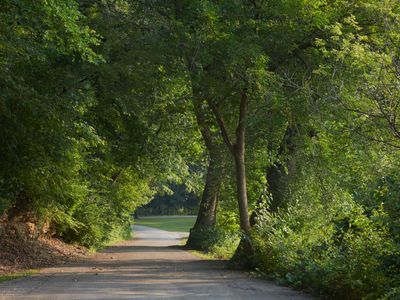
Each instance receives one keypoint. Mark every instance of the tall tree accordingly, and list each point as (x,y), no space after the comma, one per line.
(206,216)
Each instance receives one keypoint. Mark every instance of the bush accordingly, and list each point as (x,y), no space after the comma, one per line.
(332,247)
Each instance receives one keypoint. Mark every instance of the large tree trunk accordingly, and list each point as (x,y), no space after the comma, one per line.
(208,206)
(245,251)
(203,229)
(241,187)
(237,149)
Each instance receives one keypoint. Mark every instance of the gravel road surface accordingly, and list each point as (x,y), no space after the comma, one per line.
(147,267)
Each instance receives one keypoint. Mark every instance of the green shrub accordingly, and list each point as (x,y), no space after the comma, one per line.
(226,245)
(332,247)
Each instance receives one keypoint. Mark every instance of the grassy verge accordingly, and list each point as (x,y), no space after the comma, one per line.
(176,224)
(217,252)
(207,255)
(16,275)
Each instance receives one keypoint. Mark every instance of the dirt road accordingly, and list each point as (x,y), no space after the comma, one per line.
(144,268)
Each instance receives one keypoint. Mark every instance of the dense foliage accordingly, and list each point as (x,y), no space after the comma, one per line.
(288,110)
(82,144)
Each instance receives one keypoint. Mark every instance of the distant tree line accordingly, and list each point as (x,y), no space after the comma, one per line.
(178,202)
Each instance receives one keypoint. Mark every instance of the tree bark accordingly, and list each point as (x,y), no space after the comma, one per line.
(206,216)
(202,231)
(241,188)
(245,251)
(238,151)
(240,166)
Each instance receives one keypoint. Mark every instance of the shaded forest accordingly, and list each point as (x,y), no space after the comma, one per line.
(282,117)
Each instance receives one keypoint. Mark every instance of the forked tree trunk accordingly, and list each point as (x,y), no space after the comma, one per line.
(245,250)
